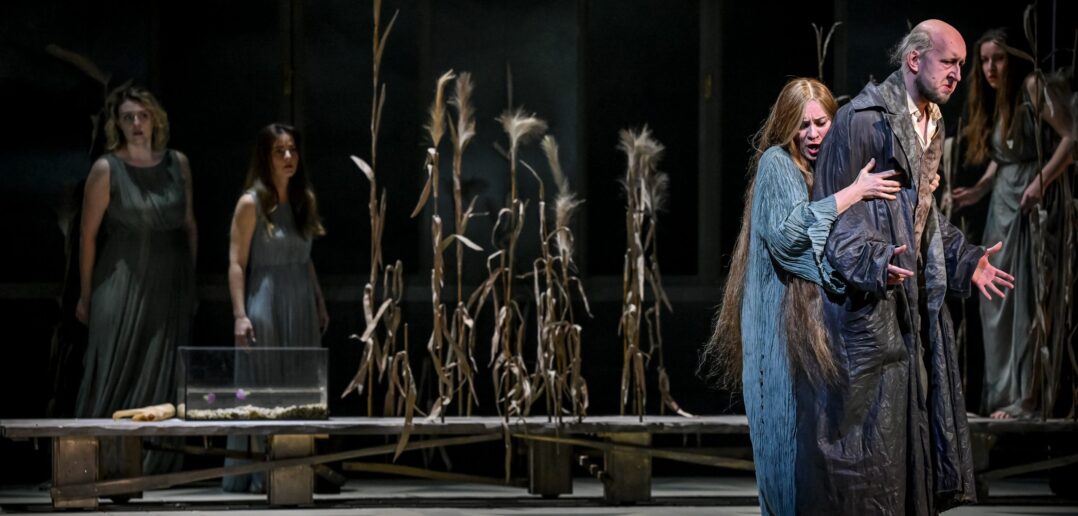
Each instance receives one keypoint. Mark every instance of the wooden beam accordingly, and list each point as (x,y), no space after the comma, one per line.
(695,458)
(15,428)
(110,487)
(409,471)
(1057,462)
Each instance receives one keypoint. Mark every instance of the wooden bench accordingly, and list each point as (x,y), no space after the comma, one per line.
(99,457)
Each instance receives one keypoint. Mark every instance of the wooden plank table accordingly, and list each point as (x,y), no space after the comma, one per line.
(86,463)
(101,457)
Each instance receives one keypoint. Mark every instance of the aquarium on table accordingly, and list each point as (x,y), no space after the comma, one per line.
(252,383)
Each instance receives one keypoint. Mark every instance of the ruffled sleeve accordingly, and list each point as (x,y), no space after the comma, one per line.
(793,229)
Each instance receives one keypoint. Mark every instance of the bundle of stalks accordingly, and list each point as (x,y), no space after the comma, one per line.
(452,342)
(512,382)
(1051,332)
(381,302)
(645,191)
(557,377)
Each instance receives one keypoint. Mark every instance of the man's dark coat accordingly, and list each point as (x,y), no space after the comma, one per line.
(890,436)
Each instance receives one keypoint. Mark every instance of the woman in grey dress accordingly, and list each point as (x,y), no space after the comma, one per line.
(136,265)
(276,299)
(1004,102)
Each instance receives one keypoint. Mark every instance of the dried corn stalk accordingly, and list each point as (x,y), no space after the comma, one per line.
(452,341)
(512,382)
(645,191)
(1051,332)
(557,377)
(822,42)
(381,303)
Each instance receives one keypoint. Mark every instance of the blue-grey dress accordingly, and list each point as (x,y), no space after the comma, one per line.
(1008,351)
(280,295)
(787,239)
(280,304)
(142,295)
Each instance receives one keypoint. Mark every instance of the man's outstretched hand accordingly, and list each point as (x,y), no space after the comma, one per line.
(988,278)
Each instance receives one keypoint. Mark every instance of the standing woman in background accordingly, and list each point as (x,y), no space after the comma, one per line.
(276,299)
(137,287)
(1004,103)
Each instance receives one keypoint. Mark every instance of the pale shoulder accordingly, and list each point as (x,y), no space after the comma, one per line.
(1032,82)
(246,203)
(99,171)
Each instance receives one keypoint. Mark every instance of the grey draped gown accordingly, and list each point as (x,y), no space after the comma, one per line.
(1008,352)
(142,297)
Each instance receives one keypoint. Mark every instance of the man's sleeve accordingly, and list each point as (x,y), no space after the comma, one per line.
(960,256)
(856,247)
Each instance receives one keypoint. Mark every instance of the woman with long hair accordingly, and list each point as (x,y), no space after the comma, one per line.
(1005,100)
(136,264)
(769,328)
(276,299)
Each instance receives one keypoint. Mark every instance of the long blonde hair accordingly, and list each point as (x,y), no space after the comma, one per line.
(806,337)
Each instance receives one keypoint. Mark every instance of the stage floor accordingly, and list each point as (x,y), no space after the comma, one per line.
(672,497)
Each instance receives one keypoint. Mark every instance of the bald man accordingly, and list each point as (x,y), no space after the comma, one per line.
(891,436)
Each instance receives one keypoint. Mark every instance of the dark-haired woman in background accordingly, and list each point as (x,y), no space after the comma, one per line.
(1005,100)
(276,299)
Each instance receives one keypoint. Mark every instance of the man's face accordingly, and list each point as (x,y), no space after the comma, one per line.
(939,69)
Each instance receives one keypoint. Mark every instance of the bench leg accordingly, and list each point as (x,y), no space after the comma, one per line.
(74,461)
(549,469)
(118,458)
(629,473)
(292,485)
(982,446)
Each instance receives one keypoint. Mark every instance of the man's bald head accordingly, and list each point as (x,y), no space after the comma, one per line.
(924,37)
(931,58)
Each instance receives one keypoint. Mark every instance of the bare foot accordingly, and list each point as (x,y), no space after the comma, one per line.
(999,414)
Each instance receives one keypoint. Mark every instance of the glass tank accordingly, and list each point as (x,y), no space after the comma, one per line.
(252,383)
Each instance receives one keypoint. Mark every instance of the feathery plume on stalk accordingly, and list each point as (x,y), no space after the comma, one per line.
(557,375)
(645,191)
(452,341)
(462,327)
(512,385)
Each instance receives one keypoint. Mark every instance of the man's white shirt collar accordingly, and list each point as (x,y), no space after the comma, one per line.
(934,115)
